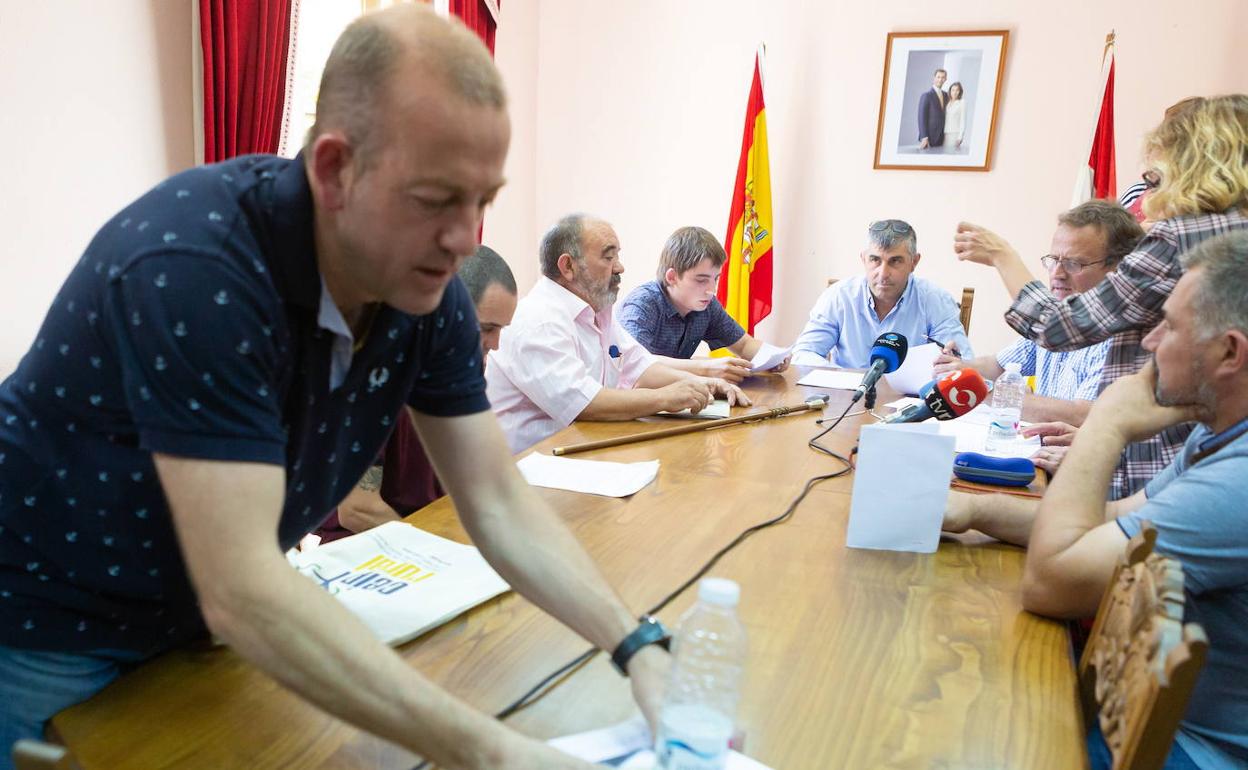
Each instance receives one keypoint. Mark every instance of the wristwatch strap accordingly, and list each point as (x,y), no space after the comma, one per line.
(648,631)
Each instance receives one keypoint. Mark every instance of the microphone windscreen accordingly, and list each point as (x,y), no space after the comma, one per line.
(889,347)
(958,392)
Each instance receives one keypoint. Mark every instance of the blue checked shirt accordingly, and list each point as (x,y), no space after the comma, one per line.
(843,324)
(1123,308)
(653,320)
(1071,375)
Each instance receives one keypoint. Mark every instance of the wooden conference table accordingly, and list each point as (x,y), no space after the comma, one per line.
(858,659)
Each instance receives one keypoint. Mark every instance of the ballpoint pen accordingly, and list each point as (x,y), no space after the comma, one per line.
(954,351)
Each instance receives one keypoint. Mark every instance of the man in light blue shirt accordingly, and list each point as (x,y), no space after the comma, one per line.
(850,314)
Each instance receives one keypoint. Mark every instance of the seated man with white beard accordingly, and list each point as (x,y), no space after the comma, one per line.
(566,358)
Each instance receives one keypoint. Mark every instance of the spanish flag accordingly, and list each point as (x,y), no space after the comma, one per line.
(745,283)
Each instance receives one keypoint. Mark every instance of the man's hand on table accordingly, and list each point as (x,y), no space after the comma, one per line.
(735,396)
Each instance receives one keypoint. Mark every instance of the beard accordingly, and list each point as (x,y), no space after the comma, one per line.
(1201,394)
(600,295)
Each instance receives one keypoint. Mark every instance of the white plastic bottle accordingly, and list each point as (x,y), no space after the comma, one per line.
(700,704)
(1007,406)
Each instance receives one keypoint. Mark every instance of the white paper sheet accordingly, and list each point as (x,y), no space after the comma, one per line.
(915,371)
(836,379)
(768,357)
(715,410)
(902,403)
(594,477)
(627,746)
(971,437)
(900,488)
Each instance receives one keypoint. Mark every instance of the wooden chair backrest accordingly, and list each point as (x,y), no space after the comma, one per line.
(1141,662)
(964,307)
(37,755)
(968,299)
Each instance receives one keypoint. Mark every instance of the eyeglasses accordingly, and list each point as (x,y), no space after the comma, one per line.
(1152,179)
(1072,266)
(894,225)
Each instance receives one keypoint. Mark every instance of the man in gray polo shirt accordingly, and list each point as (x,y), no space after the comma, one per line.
(1199,372)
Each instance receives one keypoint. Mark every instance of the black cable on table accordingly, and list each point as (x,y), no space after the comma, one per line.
(551,680)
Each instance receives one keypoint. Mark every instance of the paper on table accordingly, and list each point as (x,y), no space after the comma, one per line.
(715,410)
(915,371)
(768,357)
(904,402)
(627,746)
(836,379)
(900,488)
(972,437)
(594,477)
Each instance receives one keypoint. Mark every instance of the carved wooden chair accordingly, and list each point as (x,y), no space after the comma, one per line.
(964,307)
(1141,662)
(37,755)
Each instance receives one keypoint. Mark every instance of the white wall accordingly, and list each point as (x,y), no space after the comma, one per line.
(96,108)
(639,108)
(631,110)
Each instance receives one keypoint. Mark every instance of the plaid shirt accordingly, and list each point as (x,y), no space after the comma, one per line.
(1124,308)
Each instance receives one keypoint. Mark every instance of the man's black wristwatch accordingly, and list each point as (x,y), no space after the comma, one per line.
(649,631)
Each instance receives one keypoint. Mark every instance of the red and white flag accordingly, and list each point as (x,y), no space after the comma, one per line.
(1097,178)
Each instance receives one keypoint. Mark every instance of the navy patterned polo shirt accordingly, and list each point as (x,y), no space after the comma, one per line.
(189,327)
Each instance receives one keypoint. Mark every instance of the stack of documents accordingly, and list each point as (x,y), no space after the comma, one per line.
(400,580)
(971,431)
(594,477)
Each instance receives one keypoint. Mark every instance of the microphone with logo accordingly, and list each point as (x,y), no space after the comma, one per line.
(950,396)
(887,354)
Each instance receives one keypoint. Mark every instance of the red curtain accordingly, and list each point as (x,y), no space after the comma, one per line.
(477,17)
(245,45)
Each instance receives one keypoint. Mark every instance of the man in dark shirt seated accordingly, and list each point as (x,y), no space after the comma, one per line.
(671,315)
(221,367)
(1199,371)
(402,480)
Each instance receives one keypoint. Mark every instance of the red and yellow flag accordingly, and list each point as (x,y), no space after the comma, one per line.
(745,283)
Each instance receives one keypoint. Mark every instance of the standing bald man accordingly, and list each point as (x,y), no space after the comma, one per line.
(224,363)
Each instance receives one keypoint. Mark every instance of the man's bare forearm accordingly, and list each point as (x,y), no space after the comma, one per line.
(614,404)
(535,553)
(1045,409)
(1006,517)
(297,633)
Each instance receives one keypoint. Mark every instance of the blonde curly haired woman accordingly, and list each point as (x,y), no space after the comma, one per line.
(1200,165)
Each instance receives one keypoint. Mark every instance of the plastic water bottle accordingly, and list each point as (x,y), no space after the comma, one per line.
(700,704)
(1007,406)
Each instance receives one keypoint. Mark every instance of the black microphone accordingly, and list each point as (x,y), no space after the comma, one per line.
(887,354)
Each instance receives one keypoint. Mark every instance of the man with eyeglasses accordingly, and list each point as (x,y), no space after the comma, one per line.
(1089,242)
(850,314)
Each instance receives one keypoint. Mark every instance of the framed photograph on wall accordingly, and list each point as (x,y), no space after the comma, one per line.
(938,103)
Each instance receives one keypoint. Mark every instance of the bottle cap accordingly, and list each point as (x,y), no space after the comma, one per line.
(719,591)
(1015,367)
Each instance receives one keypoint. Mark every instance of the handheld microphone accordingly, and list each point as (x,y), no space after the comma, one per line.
(945,398)
(887,354)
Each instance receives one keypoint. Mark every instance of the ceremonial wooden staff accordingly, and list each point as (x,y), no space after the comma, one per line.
(810,404)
